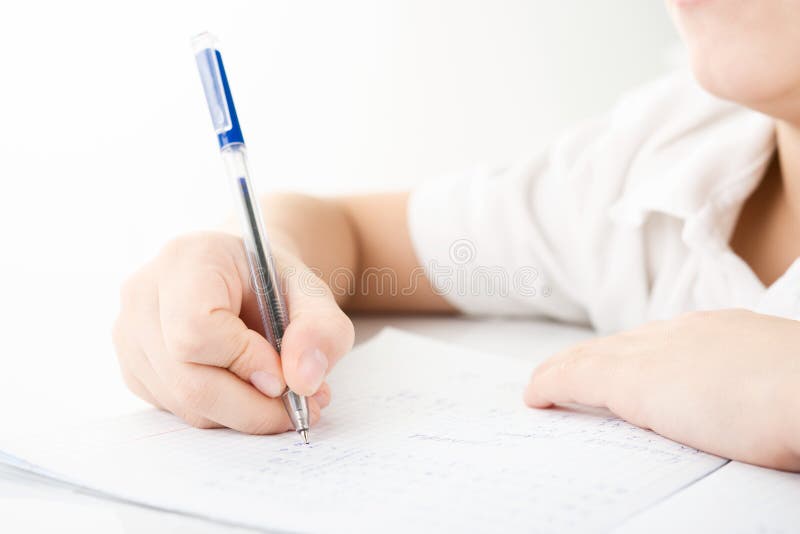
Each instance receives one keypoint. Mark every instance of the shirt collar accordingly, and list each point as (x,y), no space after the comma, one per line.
(700,169)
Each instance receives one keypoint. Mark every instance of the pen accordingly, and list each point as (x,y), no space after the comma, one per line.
(263,276)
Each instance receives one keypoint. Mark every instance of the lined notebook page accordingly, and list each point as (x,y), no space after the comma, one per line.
(421,435)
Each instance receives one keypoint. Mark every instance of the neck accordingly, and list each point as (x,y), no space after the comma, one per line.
(768,226)
(788,137)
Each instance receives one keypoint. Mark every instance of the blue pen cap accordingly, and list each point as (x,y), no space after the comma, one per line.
(217,90)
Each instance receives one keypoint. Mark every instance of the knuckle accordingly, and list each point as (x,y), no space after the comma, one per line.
(183,345)
(206,339)
(239,353)
(185,341)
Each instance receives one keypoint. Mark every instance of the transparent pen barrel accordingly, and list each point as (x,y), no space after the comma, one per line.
(263,281)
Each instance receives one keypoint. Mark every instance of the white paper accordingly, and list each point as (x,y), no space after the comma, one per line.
(739,498)
(420,435)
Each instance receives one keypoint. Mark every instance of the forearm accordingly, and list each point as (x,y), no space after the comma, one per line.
(360,247)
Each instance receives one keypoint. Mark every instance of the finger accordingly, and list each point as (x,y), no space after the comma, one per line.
(314,411)
(126,352)
(139,389)
(169,404)
(219,395)
(318,335)
(134,349)
(199,305)
(323,395)
(583,374)
(146,383)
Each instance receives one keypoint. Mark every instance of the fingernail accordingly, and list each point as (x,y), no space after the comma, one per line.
(267,383)
(312,367)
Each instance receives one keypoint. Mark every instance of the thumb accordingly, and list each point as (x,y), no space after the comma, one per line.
(319,332)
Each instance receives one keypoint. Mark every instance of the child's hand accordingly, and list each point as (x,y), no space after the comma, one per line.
(187,337)
(727,382)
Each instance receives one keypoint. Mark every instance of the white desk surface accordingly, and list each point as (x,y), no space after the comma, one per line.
(32,504)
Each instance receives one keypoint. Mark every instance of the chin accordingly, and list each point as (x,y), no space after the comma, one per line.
(745,51)
(729,80)
(752,83)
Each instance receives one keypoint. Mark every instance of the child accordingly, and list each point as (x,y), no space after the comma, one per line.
(675,201)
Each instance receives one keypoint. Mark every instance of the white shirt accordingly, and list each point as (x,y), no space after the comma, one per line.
(625,219)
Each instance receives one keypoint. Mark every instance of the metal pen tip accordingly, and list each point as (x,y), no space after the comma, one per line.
(304,435)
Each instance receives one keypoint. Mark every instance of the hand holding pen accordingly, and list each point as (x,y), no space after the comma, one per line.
(191,338)
(266,284)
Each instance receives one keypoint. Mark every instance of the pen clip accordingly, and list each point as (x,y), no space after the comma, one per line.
(208,63)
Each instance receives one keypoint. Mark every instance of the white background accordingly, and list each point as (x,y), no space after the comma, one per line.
(106,146)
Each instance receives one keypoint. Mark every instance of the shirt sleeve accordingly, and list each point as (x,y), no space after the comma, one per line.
(620,220)
(516,242)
